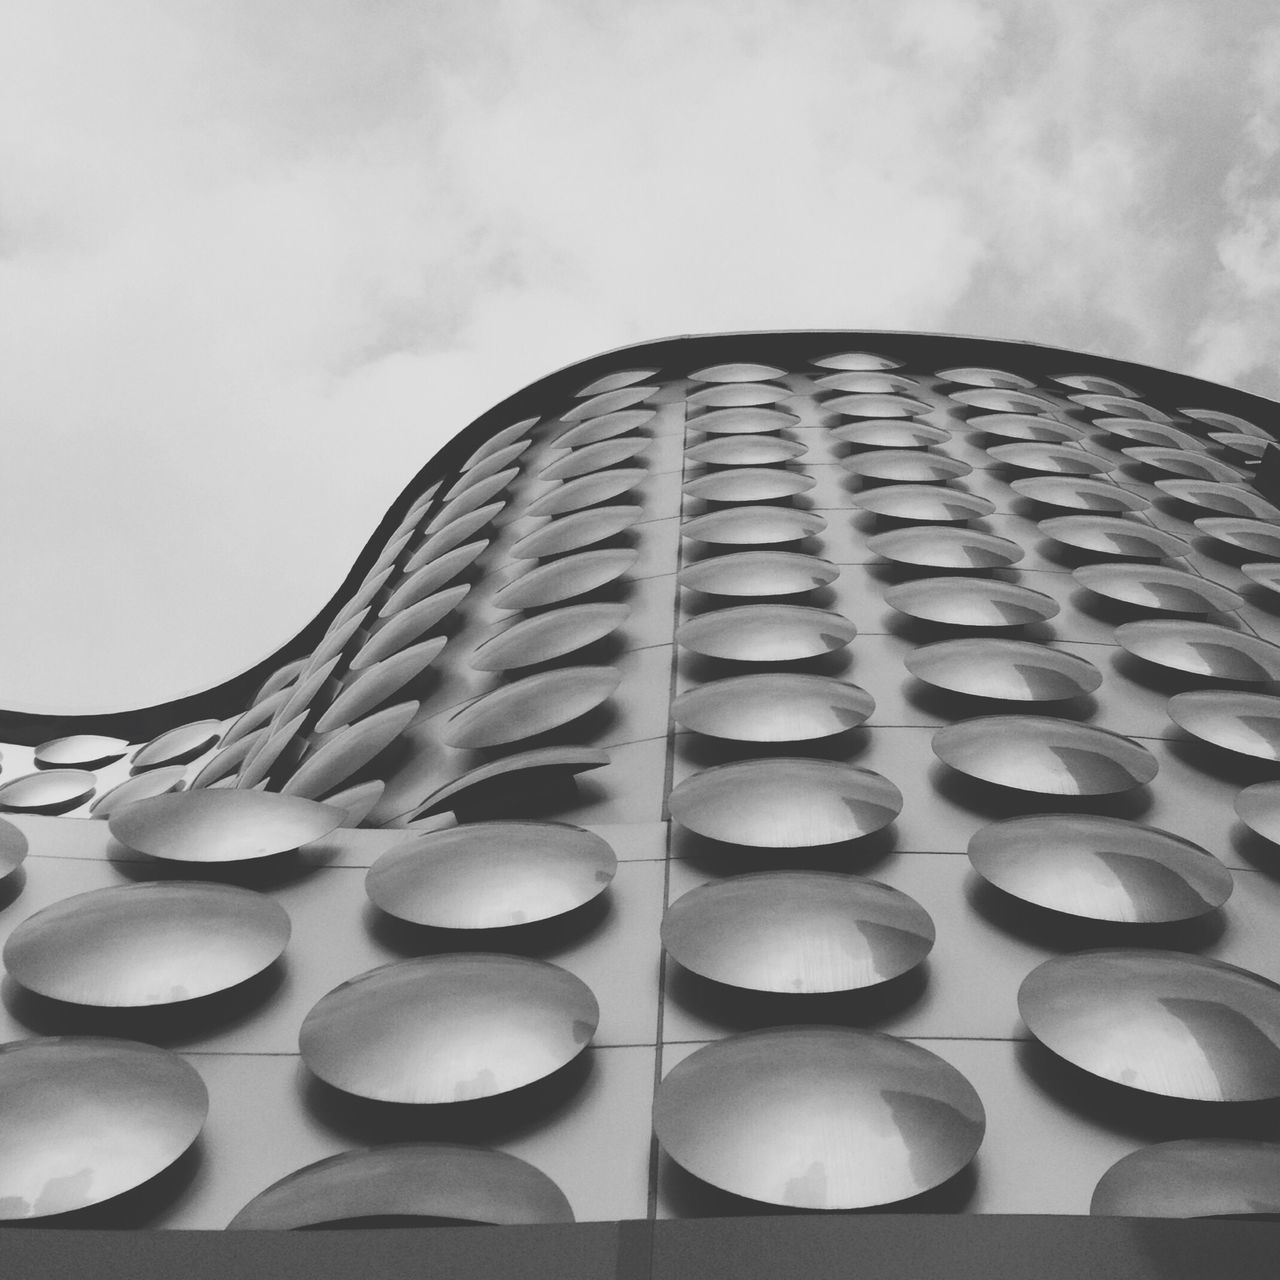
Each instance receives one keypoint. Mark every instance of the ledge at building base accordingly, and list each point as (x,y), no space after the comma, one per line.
(883,1247)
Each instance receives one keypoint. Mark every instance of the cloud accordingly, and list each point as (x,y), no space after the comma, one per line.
(254,270)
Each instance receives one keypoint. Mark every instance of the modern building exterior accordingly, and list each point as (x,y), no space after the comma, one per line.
(748,775)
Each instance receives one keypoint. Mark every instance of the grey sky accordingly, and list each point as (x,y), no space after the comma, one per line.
(259,259)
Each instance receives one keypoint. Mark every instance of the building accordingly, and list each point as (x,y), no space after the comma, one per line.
(765,617)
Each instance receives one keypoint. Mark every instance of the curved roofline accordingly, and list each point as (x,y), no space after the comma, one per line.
(233,694)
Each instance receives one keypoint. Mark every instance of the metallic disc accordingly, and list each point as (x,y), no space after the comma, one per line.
(80,751)
(743,422)
(146,944)
(155,782)
(777,706)
(758,573)
(739,395)
(971,602)
(526,767)
(336,755)
(373,685)
(1145,432)
(995,400)
(1079,494)
(499,440)
(859,405)
(1045,755)
(1100,868)
(1157,587)
(491,875)
(1164,1022)
(221,826)
(1258,807)
(86,1119)
(468,495)
(575,531)
(1051,459)
(48,791)
(856,360)
(749,484)
(1120,407)
(923,503)
(818,1117)
(946,548)
(1244,445)
(1259,537)
(798,932)
(608,402)
(785,803)
(617,380)
(1227,422)
(431,578)
(497,461)
(1093,383)
(586,491)
(406,628)
(1193,1178)
(566,578)
(1201,648)
(1014,670)
(547,636)
(905,466)
(1114,536)
(178,745)
(607,427)
(1266,574)
(875,383)
(429,1180)
(740,372)
(1180,462)
(454,534)
(978,377)
(593,457)
(448,1028)
(766,633)
(529,706)
(1247,723)
(753,526)
(13,848)
(1025,426)
(1227,499)
(890,433)
(745,451)
(356,802)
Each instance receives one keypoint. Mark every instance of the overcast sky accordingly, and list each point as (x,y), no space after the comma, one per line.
(259,258)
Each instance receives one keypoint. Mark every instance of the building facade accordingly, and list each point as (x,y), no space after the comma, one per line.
(743,775)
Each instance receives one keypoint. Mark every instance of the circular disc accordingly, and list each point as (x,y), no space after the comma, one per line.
(745,451)
(491,875)
(1193,1178)
(402,629)
(735,395)
(1201,648)
(1244,445)
(593,457)
(334,756)
(565,578)
(798,932)
(499,440)
(1229,499)
(178,745)
(541,763)
(1180,462)
(946,548)
(607,426)
(430,1180)
(13,848)
(1052,459)
(1095,384)
(1227,422)
(1015,670)
(890,433)
(1078,493)
(753,526)
(1120,407)
(996,400)
(878,383)
(1024,426)
(529,706)
(979,377)
(586,491)
(861,405)
(738,372)
(758,573)
(373,685)
(1266,574)
(222,825)
(1145,432)
(80,751)
(777,706)
(766,633)
(1157,587)
(430,578)
(608,402)
(818,1117)
(749,484)
(1045,755)
(546,636)
(905,466)
(856,361)
(48,791)
(971,602)
(579,529)
(448,1028)
(1247,723)
(786,803)
(146,944)
(1113,536)
(1168,1023)
(142,786)
(922,502)
(87,1119)
(1257,536)
(616,380)
(1100,868)
(1258,807)
(745,421)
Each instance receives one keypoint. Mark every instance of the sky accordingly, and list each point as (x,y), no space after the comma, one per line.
(260,259)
